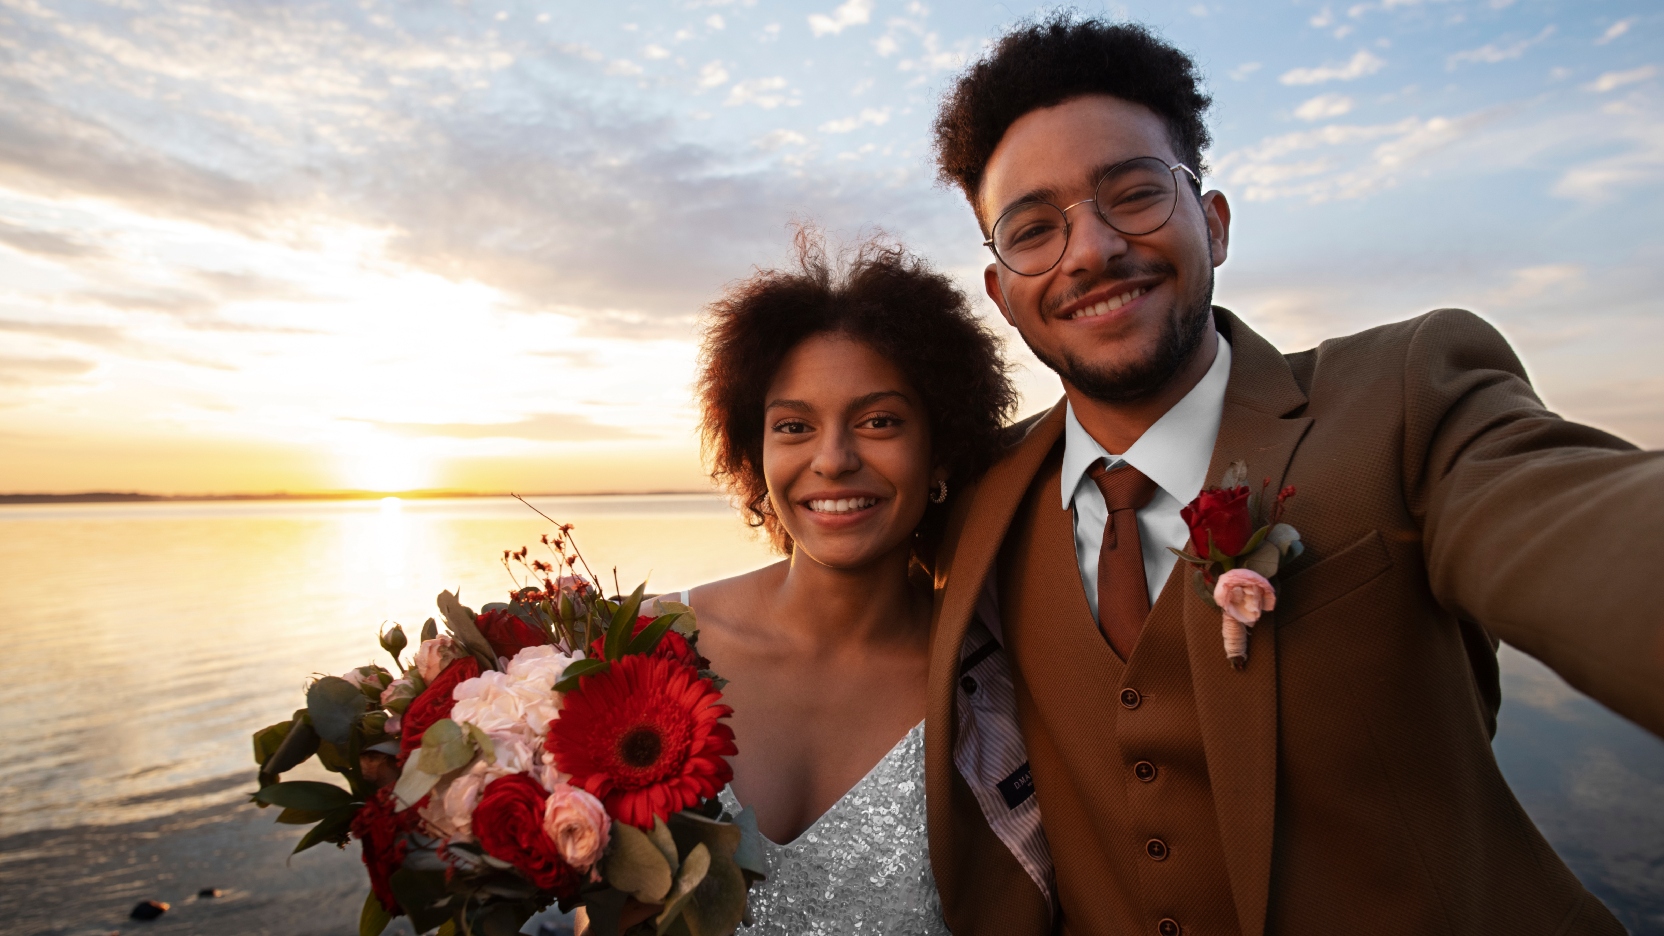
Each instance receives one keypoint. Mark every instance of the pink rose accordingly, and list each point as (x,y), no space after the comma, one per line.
(578,824)
(434,655)
(1242,595)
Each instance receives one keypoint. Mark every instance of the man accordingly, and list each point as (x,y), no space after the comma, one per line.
(1342,779)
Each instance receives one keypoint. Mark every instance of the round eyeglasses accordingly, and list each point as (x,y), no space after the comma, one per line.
(1134,197)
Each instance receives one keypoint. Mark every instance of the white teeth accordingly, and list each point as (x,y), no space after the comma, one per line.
(1109,305)
(842,505)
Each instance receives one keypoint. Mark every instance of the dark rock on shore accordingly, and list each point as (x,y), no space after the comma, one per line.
(150,909)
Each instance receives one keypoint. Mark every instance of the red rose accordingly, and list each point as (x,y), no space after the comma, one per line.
(509,825)
(508,634)
(672,646)
(433,704)
(380,831)
(1224,514)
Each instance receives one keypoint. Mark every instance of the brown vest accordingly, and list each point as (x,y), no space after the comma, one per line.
(1116,748)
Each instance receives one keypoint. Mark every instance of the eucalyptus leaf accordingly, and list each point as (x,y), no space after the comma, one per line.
(665,842)
(460,620)
(718,904)
(750,855)
(690,829)
(304,794)
(693,871)
(1236,475)
(446,746)
(374,917)
(481,740)
(334,705)
(414,783)
(337,757)
(635,865)
(1283,537)
(1264,560)
(1254,541)
(569,679)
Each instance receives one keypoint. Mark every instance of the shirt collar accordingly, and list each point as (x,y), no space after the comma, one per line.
(1174,452)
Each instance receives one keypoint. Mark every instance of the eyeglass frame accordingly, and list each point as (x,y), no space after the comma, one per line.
(1069,226)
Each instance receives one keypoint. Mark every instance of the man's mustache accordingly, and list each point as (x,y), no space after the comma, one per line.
(1118,270)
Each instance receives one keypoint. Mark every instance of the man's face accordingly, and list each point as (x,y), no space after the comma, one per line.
(1118,315)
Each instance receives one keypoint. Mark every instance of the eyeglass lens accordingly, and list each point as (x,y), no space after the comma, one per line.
(1135,197)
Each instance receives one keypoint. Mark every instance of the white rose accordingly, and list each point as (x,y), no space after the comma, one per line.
(434,655)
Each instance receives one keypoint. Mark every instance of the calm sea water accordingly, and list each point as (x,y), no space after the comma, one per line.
(142,643)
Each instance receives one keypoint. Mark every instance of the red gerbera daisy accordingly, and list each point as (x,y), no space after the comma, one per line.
(644,738)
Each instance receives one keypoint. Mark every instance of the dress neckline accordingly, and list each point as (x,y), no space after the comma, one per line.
(729,790)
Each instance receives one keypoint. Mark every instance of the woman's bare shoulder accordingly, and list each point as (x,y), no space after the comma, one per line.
(723,600)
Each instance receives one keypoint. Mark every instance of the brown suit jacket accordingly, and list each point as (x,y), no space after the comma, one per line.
(1442,508)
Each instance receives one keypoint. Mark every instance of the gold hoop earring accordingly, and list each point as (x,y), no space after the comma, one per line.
(939,493)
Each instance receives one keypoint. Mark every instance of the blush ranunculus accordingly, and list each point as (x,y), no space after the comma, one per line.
(1222,512)
(508,823)
(578,824)
(433,704)
(507,634)
(644,738)
(1242,596)
(672,646)
(434,655)
(381,833)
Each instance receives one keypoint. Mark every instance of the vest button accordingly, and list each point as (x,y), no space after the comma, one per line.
(969,685)
(1144,770)
(1168,927)
(1156,849)
(1130,698)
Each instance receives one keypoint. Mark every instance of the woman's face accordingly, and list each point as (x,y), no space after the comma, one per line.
(846,452)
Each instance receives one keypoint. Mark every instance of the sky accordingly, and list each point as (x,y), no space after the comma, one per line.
(385,245)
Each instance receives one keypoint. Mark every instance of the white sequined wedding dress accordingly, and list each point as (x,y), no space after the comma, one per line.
(863,867)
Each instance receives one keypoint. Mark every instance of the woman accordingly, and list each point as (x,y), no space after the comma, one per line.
(842,409)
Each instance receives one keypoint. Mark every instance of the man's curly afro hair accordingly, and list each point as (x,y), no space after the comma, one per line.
(1046,62)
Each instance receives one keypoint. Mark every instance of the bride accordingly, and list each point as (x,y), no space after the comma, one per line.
(842,408)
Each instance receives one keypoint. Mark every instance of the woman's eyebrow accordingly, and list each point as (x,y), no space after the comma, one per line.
(799,405)
(877,395)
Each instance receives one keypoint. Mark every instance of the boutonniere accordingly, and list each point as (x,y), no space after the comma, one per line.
(1237,543)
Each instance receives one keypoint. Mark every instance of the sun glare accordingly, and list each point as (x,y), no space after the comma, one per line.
(385,466)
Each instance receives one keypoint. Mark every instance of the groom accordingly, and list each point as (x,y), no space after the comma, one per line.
(1096,766)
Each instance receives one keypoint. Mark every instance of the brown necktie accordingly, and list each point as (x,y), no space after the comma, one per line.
(1123,598)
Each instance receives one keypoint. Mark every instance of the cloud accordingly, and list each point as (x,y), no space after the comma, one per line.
(851,13)
(540,427)
(1361,64)
(712,75)
(25,371)
(763,92)
(1615,30)
(655,52)
(1241,72)
(1614,80)
(1323,107)
(1492,53)
(45,243)
(775,139)
(869,117)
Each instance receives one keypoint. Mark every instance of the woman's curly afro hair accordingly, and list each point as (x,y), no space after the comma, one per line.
(878,294)
(1044,63)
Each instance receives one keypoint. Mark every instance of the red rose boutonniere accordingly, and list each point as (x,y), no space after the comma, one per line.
(1238,542)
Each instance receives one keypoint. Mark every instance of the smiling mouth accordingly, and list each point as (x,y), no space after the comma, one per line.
(1108,305)
(842,505)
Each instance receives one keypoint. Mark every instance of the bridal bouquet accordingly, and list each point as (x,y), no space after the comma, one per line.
(556,747)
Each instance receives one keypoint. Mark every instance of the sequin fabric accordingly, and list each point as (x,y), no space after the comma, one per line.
(863,867)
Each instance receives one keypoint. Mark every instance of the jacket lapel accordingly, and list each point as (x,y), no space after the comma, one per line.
(1238,710)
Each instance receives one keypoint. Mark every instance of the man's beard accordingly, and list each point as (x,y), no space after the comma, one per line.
(1181,335)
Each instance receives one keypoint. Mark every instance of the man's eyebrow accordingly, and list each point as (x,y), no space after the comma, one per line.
(1048,194)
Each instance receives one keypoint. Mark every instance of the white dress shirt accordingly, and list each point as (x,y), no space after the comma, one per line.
(1174,453)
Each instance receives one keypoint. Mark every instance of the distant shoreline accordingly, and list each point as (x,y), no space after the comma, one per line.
(118,497)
